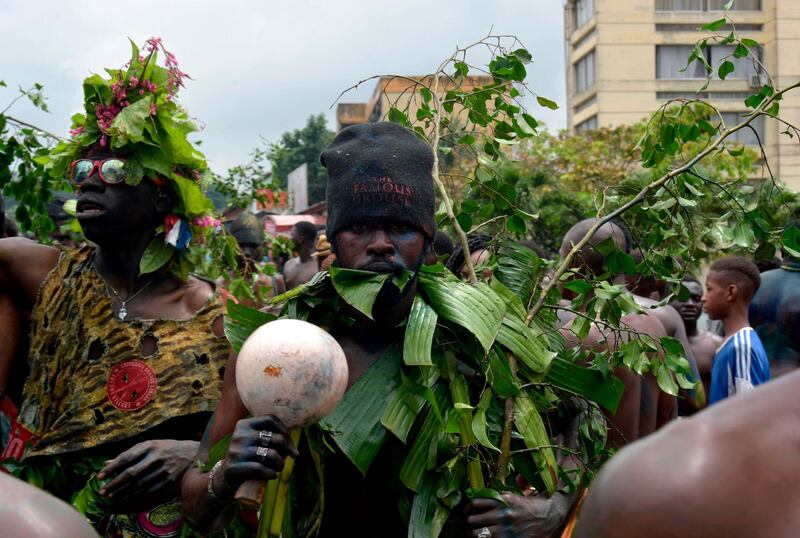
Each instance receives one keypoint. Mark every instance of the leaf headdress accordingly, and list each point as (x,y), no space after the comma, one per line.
(133,112)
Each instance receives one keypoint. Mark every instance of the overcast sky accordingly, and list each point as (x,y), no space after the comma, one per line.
(262,67)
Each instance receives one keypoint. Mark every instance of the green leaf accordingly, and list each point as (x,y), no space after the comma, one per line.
(747,42)
(426,94)
(96,90)
(743,234)
(358,288)
(241,321)
(479,421)
(397,116)
(578,285)
(523,55)
(606,246)
(89,503)
(499,375)
(791,241)
(665,380)
(428,514)
(423,390)
(355,424)
(217,453)
(464,221)
(714,26)
(195,203)
(462,69)
(71,207)
(518,268)
(524,344)
(402,411)
(580,327)
(735,152)
(725,69)
(467,139)
(754,100)
(419,334)
(663,204)
(547,103)
(588,383)
(477,307)
(531,121)
(175,128)
(156,255)
(531,427)
(422,455)
(128,126)
(486,493)
(740,51)
(515,224)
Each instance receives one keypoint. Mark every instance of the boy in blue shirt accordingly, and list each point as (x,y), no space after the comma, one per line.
(741,362)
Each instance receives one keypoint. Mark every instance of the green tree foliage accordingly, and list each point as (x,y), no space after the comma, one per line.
(303,146)
(21,176)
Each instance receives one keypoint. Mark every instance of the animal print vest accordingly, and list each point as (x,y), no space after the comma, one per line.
(95,379)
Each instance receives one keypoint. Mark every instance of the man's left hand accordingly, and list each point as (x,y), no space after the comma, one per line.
(148,468)
(538,516)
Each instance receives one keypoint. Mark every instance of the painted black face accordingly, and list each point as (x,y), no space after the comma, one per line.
(381,246)
(106,211)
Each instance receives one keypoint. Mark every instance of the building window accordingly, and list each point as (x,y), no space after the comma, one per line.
(738,5)
(744,136)
(588,125)
(679,5)
(586,104)
(717,96)
(743,67)
(584,10)
(671,59)
(689,27)
(707,5)
(584,73)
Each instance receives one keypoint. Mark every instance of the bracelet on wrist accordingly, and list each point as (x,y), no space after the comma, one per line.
(210,488)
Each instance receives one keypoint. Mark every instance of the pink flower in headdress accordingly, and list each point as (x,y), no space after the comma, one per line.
(207,222)
(105,115)
(153,43)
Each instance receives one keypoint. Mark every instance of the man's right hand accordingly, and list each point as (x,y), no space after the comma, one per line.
(257,451)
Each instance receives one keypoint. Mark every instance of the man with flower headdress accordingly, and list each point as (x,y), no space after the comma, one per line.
(126,347)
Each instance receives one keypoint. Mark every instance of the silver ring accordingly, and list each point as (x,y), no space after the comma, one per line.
(264,437)
(261,453)
(483,533)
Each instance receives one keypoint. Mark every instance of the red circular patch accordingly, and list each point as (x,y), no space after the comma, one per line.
(131,385)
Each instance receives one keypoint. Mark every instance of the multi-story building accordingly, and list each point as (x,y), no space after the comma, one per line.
(625,58)
(398,92)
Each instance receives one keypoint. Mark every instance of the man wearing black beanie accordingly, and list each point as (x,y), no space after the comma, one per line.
(380,199)
(379,170)
(380,218)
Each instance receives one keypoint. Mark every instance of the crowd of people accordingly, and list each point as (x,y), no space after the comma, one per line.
(113,374)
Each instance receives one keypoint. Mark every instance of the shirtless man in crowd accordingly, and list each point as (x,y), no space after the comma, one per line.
(704,343)
(304,266)
(644,406)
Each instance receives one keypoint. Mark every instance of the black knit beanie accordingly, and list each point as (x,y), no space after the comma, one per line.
(379,170)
